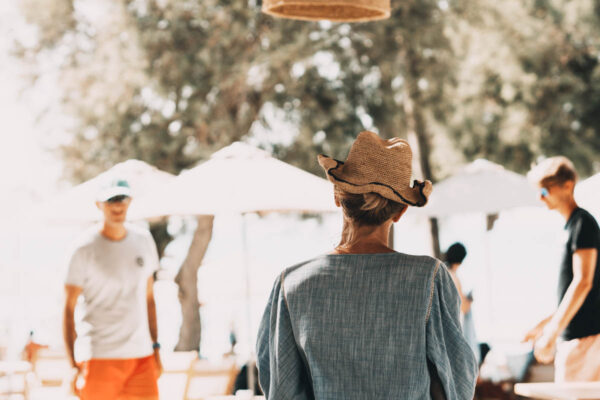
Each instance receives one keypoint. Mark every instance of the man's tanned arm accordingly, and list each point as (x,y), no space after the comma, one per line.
(69,333)
(584,263)
(152,324)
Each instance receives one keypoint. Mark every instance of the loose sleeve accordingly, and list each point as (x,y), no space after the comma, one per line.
(447,349)
(281,370)
(76,269)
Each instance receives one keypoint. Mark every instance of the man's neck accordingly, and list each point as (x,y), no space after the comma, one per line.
(114,232)
(567,208)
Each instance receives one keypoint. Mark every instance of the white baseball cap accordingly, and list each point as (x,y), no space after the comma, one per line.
(114,188)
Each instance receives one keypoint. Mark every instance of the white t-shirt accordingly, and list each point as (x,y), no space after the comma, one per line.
(114,277)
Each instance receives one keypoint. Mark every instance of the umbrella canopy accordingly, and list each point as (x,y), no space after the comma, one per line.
(242,179)
(587,194)
(77,205)
(482,186)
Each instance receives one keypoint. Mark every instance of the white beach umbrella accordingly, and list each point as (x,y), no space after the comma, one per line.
(77,205)
(480,187)
(587,194)
(243,179)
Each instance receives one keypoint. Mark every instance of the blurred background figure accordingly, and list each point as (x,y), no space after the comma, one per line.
(32,348)
(454,257)
(112,268)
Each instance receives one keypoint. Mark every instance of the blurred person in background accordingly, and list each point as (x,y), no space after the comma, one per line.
(366,322)
(454,257)
(32,349)
(575,324)
(112,268)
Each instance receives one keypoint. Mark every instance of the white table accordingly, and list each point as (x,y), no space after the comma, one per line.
(559,391)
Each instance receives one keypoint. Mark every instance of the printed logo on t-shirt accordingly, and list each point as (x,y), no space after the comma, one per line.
(139,261)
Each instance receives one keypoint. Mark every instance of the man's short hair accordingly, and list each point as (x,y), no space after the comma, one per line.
(553,171)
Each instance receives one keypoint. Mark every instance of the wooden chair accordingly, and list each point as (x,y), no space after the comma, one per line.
(15,379)
(208,379)
(178,362)
(51,367)
(176,369)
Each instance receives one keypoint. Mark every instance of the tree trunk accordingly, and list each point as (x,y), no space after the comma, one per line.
(187,280)
(161,236)
(418,135)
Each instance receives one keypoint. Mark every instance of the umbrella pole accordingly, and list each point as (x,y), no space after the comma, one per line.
(250,364)
(490,219)
(19,313)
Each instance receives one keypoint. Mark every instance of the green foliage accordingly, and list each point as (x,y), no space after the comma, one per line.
(539,86)
(170,81)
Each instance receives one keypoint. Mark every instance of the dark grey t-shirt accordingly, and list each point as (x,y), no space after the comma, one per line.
(584,233)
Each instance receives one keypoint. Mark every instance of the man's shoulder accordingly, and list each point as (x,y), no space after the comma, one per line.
(585,214)
(86,239)
(82,247)
(585,219)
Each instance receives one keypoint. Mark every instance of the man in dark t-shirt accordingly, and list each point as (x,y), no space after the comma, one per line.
(583,234)
(577,319)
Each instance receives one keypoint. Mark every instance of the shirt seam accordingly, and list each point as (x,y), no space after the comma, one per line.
(431,291)
(298,347)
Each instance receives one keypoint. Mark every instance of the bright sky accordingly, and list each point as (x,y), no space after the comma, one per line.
(27,169)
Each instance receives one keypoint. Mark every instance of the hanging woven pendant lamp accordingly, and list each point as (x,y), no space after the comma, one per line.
(337,10)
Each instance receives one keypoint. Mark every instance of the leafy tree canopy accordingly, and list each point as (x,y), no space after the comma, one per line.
(170,81)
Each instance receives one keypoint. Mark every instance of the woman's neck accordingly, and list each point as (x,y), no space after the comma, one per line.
(358,239)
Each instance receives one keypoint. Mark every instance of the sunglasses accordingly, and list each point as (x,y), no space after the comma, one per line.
(544,192)
(117,199)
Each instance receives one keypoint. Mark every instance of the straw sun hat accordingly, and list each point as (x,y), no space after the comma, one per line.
(376,165)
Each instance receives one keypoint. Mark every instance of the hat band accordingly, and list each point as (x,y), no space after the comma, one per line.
(421,185)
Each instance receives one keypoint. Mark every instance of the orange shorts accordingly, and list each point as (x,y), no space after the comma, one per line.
(128,379)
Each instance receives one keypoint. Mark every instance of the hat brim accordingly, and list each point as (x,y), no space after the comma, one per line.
(109,193)
(416,196)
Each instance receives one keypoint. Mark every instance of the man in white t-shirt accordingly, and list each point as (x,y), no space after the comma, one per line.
(112,268)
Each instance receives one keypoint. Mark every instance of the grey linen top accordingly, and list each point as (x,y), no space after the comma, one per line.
(364,326)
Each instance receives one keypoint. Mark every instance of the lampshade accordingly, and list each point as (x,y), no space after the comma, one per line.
(337,10)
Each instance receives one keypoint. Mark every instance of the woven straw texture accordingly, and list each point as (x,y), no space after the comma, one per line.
(379,166)
(339,10)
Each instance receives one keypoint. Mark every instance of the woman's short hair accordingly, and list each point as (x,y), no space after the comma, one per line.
(456,253)
(553,171)
(369,209)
